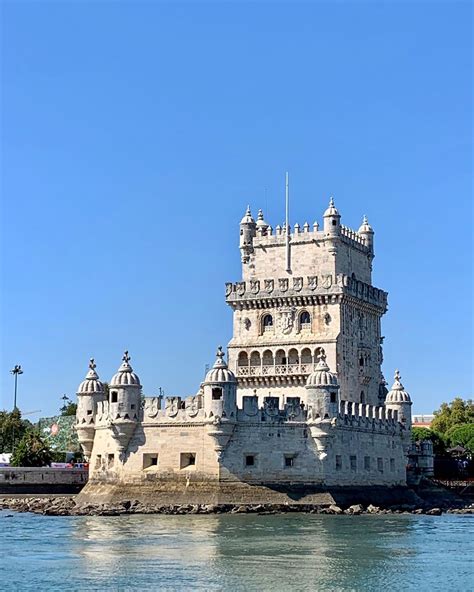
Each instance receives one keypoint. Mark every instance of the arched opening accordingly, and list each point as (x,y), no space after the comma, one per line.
(243,359)
(267,358)
(267,323)
(306,357)
(305,320)
(255,358)
(280,357)
(361,361)
(362,397)
(293,357)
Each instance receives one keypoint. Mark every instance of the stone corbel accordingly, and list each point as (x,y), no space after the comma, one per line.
(220,430)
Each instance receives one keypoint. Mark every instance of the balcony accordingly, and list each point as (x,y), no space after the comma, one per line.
(275,370)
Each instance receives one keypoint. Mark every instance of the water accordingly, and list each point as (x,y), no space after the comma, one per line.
(236,552)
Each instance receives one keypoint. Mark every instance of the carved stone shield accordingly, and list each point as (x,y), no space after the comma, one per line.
(269,286)
(327,281)
(151,406)
(286,319)
(172,406)
(228,288)
(297,283)
(241,288)
(254,286)
(312,282)
(270,406)
(192,406)
(283,284)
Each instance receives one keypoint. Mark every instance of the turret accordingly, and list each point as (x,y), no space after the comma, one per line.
(89,393)
(220,388)
(247,234)
(332,220)
(261,225)
(399,400)
(322,391)
(124,402)
(367,233)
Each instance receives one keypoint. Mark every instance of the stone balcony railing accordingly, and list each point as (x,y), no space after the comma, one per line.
(275,370)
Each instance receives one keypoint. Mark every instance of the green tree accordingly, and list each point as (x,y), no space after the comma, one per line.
(69,407)
(461,435)
(452,414)
(31,451)
(439,445)
(12,427)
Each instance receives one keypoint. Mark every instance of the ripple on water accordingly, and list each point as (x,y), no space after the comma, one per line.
(236,552)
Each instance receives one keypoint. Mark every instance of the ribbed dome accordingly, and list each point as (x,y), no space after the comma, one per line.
(220,372)
(91,384)
(247,219)
(322,376)
(125,375)
(365,227)
(397,394)
(331,211)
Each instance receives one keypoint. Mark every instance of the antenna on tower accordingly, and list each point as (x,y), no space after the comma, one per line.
(287,207)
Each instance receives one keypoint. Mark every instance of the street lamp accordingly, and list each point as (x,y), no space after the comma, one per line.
(16,370)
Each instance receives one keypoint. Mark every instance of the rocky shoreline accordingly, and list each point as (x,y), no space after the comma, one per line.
(66,506)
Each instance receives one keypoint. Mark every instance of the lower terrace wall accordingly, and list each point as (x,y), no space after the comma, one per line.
(41,480)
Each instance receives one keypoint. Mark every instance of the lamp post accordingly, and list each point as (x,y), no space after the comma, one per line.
(16,370)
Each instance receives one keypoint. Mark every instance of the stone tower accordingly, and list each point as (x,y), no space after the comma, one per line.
(284,318)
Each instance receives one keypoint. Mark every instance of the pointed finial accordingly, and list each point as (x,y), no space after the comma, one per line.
(365,220)
(92,365)
(316,226)
(126,358)
(322,355)
(248,212)
(397,376)
(220,354)
(331,202)
(260,214)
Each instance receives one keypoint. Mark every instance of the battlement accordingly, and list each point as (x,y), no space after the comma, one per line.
(302,290)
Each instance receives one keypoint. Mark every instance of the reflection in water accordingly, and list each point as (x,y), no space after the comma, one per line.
(238,552)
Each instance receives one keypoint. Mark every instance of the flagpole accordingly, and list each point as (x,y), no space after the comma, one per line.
(287,205)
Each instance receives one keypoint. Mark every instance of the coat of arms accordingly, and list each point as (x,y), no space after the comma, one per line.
(152,406)
(283,284)
(172,406)
(269,286)
(312,282)
(286,319)
(254,286)
(327,281)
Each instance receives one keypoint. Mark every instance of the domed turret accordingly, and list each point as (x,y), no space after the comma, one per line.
(124,402)
(89,393)
(332,220)
(322,387)
(367,232)
(247,234)
(399,400)
(261,225)
(220,387)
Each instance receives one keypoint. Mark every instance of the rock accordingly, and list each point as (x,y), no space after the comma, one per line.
(355,510)
(434,512)
(333,509)
(373,509)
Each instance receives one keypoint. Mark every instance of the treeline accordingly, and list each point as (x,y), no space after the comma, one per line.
(452,426)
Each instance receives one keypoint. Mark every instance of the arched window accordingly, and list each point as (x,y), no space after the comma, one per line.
(267,322)
(255,358)
(305,319)
(267,358)
(361,361)
(362,397)
(243,359)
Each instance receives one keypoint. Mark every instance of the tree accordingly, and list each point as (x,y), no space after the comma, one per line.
(12,427)
(69,408)
(461,435)
(31,451)
(452,414)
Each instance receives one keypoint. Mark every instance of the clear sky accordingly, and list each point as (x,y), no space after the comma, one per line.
(134,135)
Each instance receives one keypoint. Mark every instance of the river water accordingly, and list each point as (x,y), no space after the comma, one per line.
(236,552)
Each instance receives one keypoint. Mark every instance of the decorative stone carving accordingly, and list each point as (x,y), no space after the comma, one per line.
(172,406)
(228,288)
(152,406)
(247,323)
(270,406)
(255,286)
(240,288)
(297,284)
(286,319)
(327,282)
(269,286)
(283,284)
(192,406)
(293,408)
(312,282)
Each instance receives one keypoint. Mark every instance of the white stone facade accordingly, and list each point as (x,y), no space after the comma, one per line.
(276,413)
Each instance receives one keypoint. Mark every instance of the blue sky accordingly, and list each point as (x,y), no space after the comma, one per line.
(135,134)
